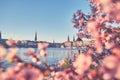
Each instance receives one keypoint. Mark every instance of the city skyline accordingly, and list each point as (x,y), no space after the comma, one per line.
(35,38)
(20,19)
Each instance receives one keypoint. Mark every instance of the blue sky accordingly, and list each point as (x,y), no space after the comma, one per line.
(19,19)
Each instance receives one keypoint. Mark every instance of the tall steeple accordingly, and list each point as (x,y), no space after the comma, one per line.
(35,36)
(68,39)
(53,41)
(0,35)
(73,38)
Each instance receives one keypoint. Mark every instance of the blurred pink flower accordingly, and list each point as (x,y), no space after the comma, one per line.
(11,42)
(82,63)
(31,50)
(43,53)
(98,45)
(107,76)
(110,62)
(109,44)
(117,74)
(11,53)
(30,74)
(80,35)
(42,46)
(20,72)
(116,51)
(2,51)
(110,67)
(109,7)
(92,26)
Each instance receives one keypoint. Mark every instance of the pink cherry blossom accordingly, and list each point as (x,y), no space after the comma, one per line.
(82,63)
(2,51)
(11,42)
(110,62)
(42,46)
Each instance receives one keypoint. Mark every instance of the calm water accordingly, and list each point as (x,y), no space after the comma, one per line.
(54,55)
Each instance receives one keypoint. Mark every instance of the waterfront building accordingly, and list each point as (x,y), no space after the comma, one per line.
(68,43)
(74,43)
(29,43)
(79,42)
(3,41)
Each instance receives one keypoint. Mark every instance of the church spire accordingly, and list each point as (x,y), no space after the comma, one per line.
(68,38)
(73,38)
(0,35)
(53,41)
(35,36)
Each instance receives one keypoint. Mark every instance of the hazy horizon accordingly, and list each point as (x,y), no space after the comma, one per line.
(20,19)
